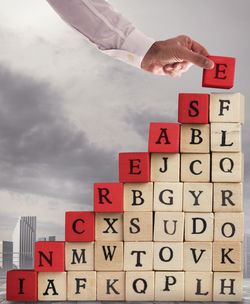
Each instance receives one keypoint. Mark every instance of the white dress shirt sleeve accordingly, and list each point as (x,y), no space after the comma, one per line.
(107,29)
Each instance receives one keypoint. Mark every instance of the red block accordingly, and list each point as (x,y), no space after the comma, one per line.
(108,197)
(193,108)
(49,256)
(79,226)
(164,137)
(222,75)
(21,285)
(134,167)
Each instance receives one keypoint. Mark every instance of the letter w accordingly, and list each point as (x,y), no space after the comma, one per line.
(107,253)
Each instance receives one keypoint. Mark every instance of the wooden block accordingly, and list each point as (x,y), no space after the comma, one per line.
(164,137)
(168,196)
(138,226)
(81,286)
(197,197)
(168,256)
(134,167)
(222,74)
(140,286)
(138,256)
(49,256)
(108,197)
(228,197)
(193,108)
(52,286)
(198,286)
(229,227)
(111,286)
(169,226)
(228,286)
(79,226)
(108,256)
(109,226)
(195,167)
(79,256)
(225,137)
(165,167)
(21,285)
(227,107)
(138,196)
(195,138)
(227,256)
(197,256)
(199,227)
(227,167)
(169,286)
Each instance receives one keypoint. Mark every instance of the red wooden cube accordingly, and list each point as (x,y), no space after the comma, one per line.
(108,197)
(193,108)
(21,285)
(222,74)
(49,256)
(164,137)
(134,167)
(79,226)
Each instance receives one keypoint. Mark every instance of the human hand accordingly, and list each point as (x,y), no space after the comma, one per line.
(175,56)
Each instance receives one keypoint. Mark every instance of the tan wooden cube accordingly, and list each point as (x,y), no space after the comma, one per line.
(138,256)
(169,286)
(227,167)
(195,167)
(168,196)
(165,167)
(199,227)
(225,137)
(228,286)
(228,197)
(199,286)
(138,226)
(195,138)
(52,286)
(197,197)
(110,286)
(81,286)
(140,286)
(79,256)
(226,107)
(229,227)
(108,226)
(168,256)
(169,226)
(197,256)
(138,196)
(108,256)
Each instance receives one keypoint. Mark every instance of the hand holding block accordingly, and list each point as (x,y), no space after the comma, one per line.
(195,167)
(168,256)
(197,256)
(165,167)
(193,108)
(79,226)
(109,226)
(169,286)
(198,286)
(197,197)
(134,167)
(138,256)
(199,227)
(21,285)
(79,256)
(110,286)
(108,197)
(108,256)
(52,286)
(164,137)
(222,75)
(138,196)
(140,286)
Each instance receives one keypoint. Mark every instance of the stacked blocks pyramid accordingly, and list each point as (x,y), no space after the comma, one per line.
(171,229)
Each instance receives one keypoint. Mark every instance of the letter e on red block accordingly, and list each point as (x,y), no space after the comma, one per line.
(108,197)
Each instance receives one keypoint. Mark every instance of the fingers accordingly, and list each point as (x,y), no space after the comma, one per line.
(198,59)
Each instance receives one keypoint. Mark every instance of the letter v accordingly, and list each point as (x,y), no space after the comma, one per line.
(196,260)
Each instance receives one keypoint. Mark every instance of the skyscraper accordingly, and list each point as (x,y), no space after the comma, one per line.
(247,255)
(6,255)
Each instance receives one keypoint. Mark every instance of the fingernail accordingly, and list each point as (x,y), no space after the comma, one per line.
(209,64)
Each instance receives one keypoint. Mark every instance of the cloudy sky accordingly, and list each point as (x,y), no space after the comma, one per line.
(67,110)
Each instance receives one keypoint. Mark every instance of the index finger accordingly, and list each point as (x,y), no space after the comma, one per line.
(198,48)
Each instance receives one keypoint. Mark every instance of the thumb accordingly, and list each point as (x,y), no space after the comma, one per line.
(198,59)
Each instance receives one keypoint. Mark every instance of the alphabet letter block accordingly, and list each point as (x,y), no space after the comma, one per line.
(164,137)
(193,108)
(140,286)
(49,256)
(138,256)
(108,256)
(21,285)
(197,197)
(109,226)
(79,226)
(197,256)
(222,75)
(195,167)
(108,197)
(134,167)
(199,227)
(165,167)
(168,256)
(52,286)
(110,286)
(198,286)
(79,256)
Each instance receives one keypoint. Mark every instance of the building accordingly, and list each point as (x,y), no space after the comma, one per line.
(246,245)
(24,237)
(51,238)
(6,255)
